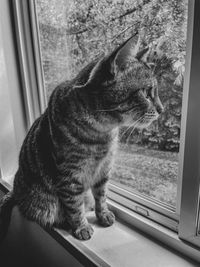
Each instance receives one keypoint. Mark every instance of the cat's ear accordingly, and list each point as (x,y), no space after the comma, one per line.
(126,52)
(107,68)
(142,54)
(130,52)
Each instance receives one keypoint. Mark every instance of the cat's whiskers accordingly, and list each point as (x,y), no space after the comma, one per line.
(144,119)
(117,109)
(126,131)
(134,125)
(128,128)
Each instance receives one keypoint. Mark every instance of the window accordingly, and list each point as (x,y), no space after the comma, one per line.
(157,170)
(73,34)
(149,171)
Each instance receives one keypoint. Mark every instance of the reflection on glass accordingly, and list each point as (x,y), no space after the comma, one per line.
(74,32)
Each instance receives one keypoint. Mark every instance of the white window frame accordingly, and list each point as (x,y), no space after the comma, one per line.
(189,205)
(29,58)
(12,115)
(23,99)
(30,99)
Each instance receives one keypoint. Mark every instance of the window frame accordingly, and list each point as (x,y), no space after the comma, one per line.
(11,96)
(190,195)
(26,32)
(24,99)
(160,212)
(33,100)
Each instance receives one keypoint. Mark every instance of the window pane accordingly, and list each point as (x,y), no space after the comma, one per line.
(73,33)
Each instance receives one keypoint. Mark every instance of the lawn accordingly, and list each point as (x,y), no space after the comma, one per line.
(150,172)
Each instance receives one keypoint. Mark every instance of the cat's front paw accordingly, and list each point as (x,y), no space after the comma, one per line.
(106,218)
(84,232)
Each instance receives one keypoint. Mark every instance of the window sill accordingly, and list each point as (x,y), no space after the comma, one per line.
(123,245)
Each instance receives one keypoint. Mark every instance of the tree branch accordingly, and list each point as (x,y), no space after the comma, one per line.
(131,10)
(75,30)
(126,13)
(117,35)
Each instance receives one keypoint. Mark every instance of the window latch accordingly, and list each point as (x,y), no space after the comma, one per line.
(142,211)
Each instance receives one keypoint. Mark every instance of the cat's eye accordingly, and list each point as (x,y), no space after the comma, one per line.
(147,92)
(150,92)
(144,91)
(109,83)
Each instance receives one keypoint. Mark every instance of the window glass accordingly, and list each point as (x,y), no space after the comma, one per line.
(74,32)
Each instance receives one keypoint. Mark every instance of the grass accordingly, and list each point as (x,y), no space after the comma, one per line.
(150,172)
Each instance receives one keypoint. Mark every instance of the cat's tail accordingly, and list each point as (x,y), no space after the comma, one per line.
(6,205)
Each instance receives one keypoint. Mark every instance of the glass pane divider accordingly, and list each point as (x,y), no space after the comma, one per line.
(189,204)
(185,103)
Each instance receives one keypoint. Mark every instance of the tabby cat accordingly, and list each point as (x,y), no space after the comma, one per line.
(71,146)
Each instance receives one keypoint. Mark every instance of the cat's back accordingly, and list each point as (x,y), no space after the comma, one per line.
(35,153)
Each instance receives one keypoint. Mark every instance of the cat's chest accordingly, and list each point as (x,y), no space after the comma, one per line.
(93,164)
(97,164)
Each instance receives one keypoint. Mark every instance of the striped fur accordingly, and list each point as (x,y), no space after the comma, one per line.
(71,147)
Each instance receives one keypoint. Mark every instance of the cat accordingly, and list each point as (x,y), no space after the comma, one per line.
(70,148)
